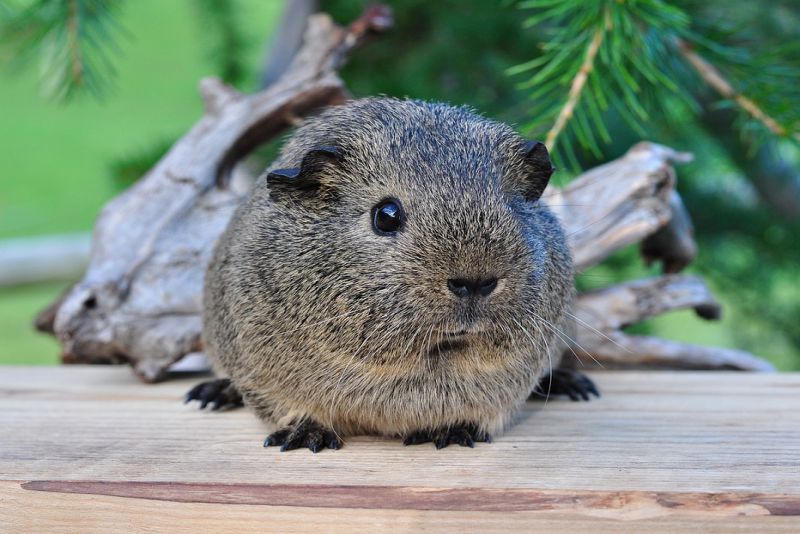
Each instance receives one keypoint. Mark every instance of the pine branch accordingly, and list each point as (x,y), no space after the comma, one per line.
(74,39)
(717,81)
(576,87)
(603,55)
(623,60)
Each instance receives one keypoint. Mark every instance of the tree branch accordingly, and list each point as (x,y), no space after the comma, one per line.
(601,315)
(576,88)
(714,78)
(73,28)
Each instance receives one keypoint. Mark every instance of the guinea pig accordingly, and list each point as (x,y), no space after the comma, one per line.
(396,273)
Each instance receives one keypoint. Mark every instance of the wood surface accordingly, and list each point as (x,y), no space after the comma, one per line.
(91,449)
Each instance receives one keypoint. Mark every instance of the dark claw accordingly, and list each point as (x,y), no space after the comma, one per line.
(464,439)
(420,436)
(192,394)
(298,437)
(463,434)
(569,382)
(333,442)
(277,438)
(304,434)
(219,393)
(315,443)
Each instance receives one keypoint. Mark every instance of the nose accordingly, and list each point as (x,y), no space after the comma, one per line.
(463,287)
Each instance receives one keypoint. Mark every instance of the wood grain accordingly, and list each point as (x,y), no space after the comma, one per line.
(454,499)
(87,448)
(69,513)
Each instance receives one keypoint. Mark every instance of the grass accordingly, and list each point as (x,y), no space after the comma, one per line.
(20,344)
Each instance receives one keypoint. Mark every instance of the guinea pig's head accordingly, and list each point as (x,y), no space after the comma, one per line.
(416,228)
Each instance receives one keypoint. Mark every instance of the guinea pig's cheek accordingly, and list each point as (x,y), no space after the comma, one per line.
(501,286)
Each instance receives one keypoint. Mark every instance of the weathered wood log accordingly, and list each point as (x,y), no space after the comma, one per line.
(601,315)
(619,203)
(140,300)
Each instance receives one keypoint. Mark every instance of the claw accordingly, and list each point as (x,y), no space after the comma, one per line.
(277,438)
(308,434)
(219,393)
(567,382)
(465,435)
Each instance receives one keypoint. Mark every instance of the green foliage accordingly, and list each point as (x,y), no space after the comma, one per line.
(629,53)
(125,170)
(77,45)
(620,46)
(450,50)
(757,49)
(224,38)
(76,41)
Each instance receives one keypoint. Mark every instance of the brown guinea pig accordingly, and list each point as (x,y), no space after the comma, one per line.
(393,273)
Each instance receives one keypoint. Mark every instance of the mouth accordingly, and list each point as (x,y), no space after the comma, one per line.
(450,342)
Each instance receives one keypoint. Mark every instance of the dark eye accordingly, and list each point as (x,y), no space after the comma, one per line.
(388,217)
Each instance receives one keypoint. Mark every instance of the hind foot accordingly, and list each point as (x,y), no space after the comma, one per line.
(565,382)
(220,393)
(465,435)
(307,433)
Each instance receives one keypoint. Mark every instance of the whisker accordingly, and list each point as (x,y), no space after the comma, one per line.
(579,230)
(549,357)
(561,333)
(596,331)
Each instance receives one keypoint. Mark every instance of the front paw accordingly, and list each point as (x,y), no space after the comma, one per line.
(306,433)
(565,382)
(465,435)
(220,393)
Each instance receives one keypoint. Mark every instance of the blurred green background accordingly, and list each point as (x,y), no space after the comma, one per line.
(62,160)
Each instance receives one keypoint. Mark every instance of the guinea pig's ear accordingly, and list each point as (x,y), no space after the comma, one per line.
(307,176)
(539,169)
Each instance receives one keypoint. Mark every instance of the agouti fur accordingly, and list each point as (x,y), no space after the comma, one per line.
(437,331)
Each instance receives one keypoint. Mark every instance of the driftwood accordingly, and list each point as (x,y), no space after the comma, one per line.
(601,315)
(140,299)
(627,201)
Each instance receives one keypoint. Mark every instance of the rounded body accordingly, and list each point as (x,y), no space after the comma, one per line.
(452,318)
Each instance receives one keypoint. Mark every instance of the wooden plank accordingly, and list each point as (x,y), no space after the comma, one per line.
(91,513)
(661,451)
(24,512)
